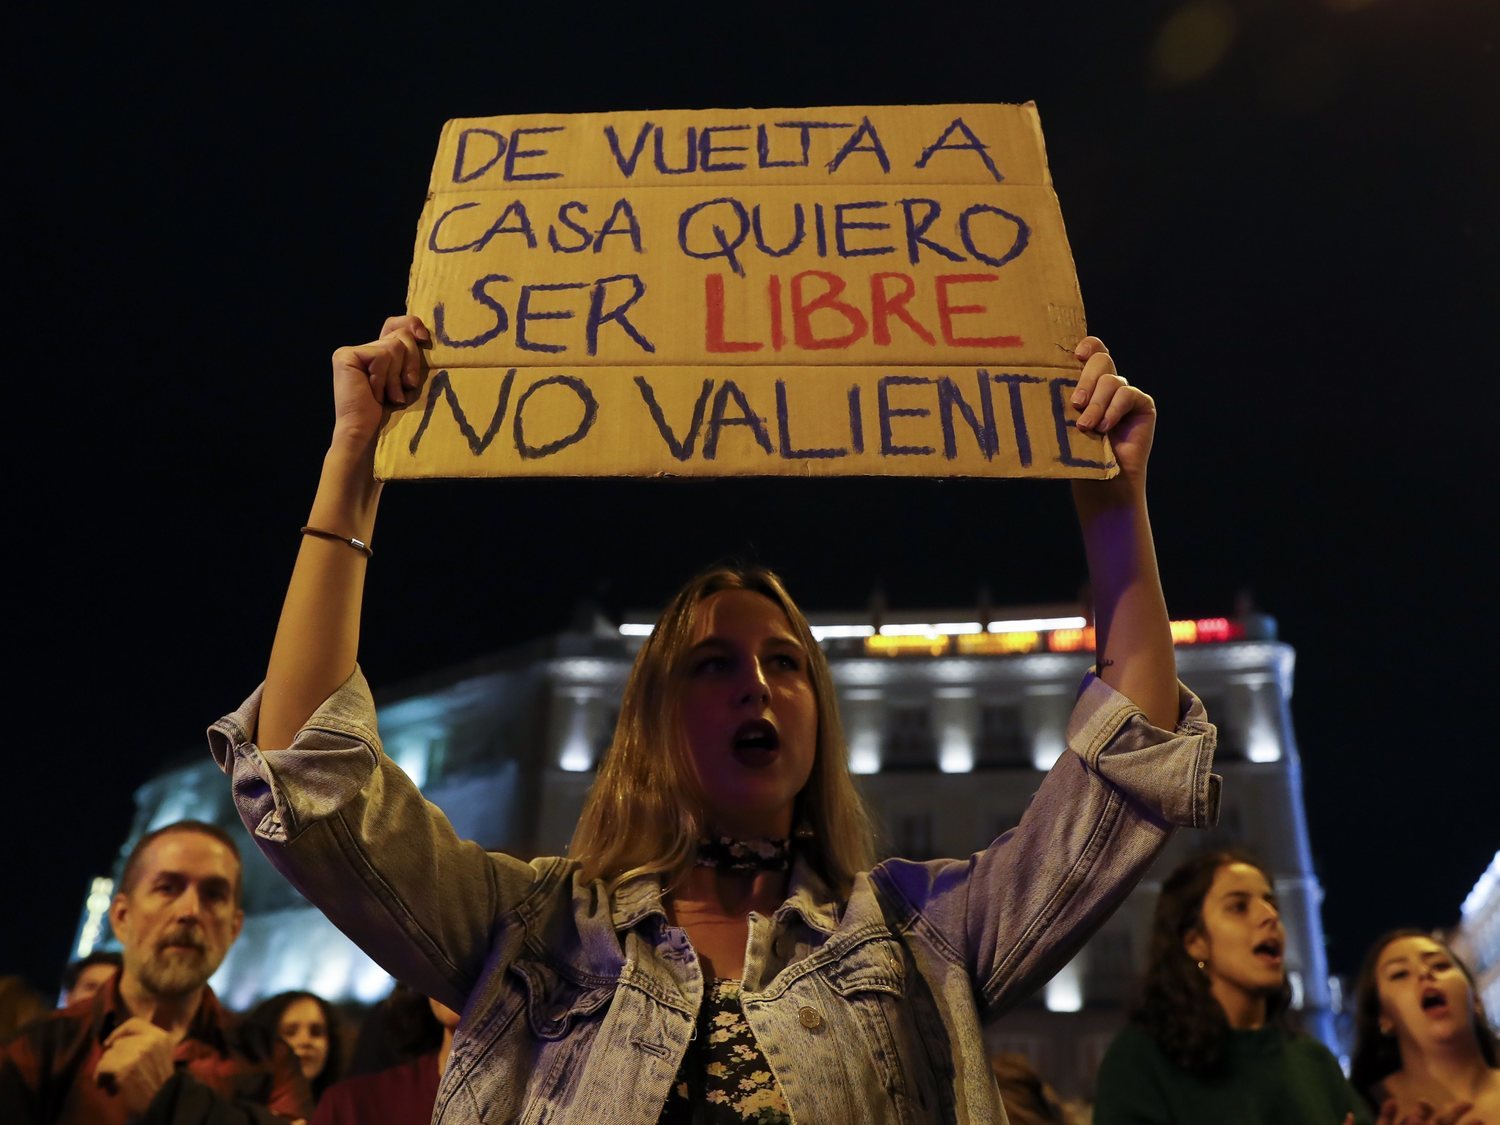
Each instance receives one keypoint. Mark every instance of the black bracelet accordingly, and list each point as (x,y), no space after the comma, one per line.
(358,544)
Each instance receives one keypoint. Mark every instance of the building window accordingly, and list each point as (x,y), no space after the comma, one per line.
(1111,966)
(1031,1047)
(909,744)
(1231,738)
(1230,832)
(913,836)
(1003,741)
(476,745)
(437,756)
(605,735)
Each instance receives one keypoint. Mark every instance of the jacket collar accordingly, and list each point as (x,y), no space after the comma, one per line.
(809,896)
(635,899)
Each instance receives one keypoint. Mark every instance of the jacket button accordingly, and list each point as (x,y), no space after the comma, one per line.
(809,1018)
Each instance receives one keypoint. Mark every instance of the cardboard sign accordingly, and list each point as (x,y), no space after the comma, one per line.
(850,290)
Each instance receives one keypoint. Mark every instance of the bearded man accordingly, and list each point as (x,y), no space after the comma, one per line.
(154,1045)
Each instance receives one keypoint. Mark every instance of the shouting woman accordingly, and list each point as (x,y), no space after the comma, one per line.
(718,943)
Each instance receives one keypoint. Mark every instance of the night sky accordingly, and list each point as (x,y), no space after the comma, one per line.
(1283,220)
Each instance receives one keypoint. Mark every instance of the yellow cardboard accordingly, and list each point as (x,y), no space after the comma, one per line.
(847,290)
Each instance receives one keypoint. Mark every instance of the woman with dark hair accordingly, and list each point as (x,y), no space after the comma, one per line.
(717,944)
(310,1025)
(1210,1040)
(1422,1044)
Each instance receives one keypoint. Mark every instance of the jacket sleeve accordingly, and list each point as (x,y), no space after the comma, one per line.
(348,829)
(1013,914)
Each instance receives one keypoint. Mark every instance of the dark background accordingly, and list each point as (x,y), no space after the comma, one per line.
(1283,220)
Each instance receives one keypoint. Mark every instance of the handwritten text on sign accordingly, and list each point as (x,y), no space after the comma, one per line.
(876,290)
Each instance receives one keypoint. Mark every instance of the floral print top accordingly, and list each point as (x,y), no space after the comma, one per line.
(724,1079)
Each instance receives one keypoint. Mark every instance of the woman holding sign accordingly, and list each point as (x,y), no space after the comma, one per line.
(717,945)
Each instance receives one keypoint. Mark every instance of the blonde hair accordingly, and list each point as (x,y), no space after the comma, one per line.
(644,813)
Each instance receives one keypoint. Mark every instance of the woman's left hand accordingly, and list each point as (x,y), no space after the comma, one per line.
(1108,404)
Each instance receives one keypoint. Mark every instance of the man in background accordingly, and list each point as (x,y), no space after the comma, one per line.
(154,1045)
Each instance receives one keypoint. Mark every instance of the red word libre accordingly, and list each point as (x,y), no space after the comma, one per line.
(819,291)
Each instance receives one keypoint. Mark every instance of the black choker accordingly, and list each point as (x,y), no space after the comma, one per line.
(728,854)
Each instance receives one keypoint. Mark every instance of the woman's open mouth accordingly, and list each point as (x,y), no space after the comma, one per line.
(1269,952)
(1434,1002)
(756,743)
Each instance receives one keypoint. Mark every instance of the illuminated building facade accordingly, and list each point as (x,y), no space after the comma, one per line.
(951,723)
(1477,938)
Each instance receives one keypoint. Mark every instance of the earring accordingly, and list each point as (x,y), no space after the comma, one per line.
(1202,968)
(1385,1028)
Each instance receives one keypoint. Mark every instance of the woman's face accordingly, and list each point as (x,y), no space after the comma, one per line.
(1241,942)
(303,1027)
(1424,995)
(748,713)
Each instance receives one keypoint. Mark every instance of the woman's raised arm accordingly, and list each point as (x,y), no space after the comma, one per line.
(317,638)
(1133,637)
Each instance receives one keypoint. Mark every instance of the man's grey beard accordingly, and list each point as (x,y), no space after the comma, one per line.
(176,973)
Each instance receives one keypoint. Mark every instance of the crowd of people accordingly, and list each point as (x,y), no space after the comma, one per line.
(139,1035)
(719,944)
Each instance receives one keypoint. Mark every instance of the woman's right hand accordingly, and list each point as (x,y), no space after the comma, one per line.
(370,379)
(1424,1114)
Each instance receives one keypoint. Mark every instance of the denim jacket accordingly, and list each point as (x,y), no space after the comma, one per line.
(578,1003)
